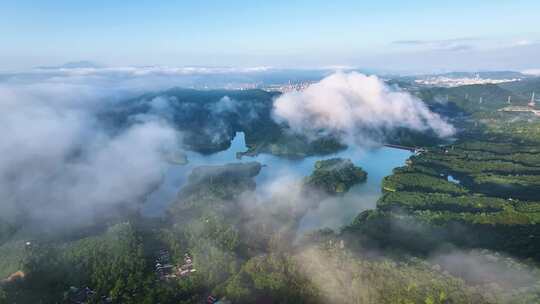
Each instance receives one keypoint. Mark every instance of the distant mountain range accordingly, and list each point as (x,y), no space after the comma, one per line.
(84,64)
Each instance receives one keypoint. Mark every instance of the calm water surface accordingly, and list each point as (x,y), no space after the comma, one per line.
(332,213)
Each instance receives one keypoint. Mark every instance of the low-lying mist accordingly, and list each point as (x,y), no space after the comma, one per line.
(62,165)
(59,166)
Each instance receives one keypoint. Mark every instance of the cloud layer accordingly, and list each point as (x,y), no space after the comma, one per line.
(355,107)
(59,165)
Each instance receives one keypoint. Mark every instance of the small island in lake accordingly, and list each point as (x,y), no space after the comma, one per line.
(224,181)
(336,175)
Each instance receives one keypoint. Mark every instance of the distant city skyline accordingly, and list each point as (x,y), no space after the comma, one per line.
(417,36)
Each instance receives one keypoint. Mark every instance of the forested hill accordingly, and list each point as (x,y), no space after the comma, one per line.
(480,192)
(209,120)
(458,223)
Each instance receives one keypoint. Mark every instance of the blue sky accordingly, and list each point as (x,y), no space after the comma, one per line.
(393,35)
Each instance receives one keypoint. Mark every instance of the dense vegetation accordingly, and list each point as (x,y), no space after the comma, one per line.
(480,191)
(457,224)
(335,175)
(209,120)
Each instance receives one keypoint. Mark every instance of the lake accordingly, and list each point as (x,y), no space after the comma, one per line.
(332,213)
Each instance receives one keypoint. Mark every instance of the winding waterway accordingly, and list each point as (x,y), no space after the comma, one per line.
(332,213)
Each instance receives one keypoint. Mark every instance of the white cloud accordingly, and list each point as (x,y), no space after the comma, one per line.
(58,165)
(524,42)
(532,72)
(458,44)
(355,106)
(133,71)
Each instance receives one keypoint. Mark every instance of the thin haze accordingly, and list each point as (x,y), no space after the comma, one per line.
(414,35)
